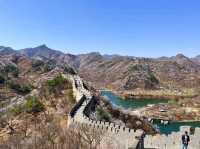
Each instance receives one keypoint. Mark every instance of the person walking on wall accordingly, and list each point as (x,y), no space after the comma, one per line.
(185,140)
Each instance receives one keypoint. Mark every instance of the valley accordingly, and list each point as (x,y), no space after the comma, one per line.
(132,92)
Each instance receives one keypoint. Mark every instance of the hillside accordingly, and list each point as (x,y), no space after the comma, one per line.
(36,96)
(33,95)
(124,73)
(130,74)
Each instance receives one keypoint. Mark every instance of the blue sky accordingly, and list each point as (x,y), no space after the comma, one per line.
(149,28)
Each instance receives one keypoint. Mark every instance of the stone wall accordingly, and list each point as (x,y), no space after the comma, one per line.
(77,106)
(123,135)
(173,140)
(112,130)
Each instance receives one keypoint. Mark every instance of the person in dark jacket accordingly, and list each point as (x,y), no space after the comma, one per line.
(185,140)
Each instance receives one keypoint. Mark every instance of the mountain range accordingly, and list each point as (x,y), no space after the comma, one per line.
(121,72)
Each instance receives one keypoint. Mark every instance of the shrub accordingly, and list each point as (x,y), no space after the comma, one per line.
(15,73)
(151,82)
(11,69)
(103,114)
(69,69)
(189,92)
(2,79)
(173,102)
(33,105)
(135,67)
(47,68)
(58,83)
(25,89)
(37,63)
(40,65)
(153,79)
(13,85)
(16,110)
(71,97)
(21,89)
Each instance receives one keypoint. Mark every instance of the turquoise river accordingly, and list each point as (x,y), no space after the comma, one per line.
(139,103)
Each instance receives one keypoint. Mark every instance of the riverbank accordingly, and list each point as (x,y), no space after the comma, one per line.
(130,103)
(170,94)
(125,117)
(175,126)
(180,112)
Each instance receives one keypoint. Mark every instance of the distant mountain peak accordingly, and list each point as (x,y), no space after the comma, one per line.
(6,50)
(180,55)
(108,56)
(42,46)
(180,58)
(94,53)
(3,48)
(198,56)
(196,59)
(41,50)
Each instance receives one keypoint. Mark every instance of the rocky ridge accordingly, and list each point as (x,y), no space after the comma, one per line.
(125,73)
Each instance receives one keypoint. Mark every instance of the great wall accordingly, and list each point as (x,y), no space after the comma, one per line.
(124,137)
(173,140)
(113,132)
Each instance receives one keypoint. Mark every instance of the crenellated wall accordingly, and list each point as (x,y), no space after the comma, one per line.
(124,136)
(173,140)
(78,116)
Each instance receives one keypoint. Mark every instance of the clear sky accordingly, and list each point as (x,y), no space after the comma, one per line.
(149,28)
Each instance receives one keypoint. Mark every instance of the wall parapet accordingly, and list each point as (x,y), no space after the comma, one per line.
(79,115)
(173,140)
